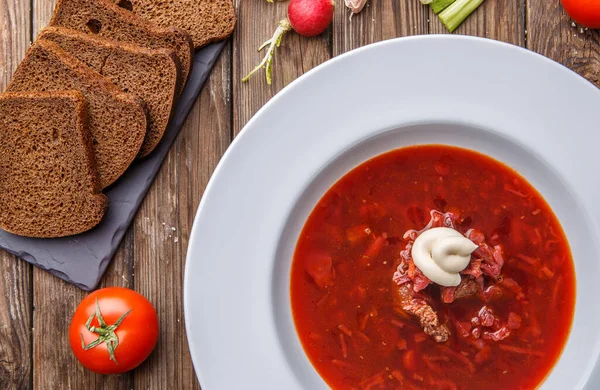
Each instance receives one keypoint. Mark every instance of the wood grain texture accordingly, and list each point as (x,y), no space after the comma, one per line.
(42,13)
(503,20)
(551,32)
(15,323)
(35,307)
(55,302)
(257,21)
(379,20)
(15,275)
(163,225)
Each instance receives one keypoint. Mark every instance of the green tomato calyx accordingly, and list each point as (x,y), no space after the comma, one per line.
(106,333)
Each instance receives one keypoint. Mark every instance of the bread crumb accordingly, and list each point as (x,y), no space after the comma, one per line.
(176,239)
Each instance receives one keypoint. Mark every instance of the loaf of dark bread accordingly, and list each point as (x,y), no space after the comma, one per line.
(205,20)
(107,20)
(117,120)
(149,74)
(48,178)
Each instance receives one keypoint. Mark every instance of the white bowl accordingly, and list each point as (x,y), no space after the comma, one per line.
(511,104)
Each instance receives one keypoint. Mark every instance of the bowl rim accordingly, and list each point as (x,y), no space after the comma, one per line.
(252,126)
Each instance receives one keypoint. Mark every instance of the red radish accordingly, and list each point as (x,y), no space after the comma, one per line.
(310,17)
(307,17)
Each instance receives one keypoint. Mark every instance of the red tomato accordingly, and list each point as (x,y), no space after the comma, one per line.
(124,341)
(584,12)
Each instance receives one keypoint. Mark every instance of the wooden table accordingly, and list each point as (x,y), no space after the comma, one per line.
(35,307)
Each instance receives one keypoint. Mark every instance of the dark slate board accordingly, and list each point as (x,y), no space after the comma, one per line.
(82,259)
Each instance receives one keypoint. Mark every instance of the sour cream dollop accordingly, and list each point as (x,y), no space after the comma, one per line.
(441,253)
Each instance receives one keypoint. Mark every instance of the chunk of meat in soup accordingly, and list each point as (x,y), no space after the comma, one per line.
(467,288)
(425,313)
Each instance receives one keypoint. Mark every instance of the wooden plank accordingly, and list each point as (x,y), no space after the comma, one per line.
(15,323)
(42,12)
(551,32)
(379,20)
(54,301)
(503,20)
(15,275)
(257,21)
(164,222)
(15,36)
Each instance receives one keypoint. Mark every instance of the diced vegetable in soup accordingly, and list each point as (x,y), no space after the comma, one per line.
(432,267)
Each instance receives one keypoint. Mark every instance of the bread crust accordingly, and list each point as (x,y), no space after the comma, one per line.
(151,75)
(105,19)
(117,119)
(48,176)
(207,21)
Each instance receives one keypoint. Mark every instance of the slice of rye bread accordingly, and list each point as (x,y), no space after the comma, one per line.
(48,178)
(117,119)
(107,20)
(149,74)
(205,20)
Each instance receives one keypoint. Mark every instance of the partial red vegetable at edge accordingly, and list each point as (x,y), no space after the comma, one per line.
(584,12)
(307,17)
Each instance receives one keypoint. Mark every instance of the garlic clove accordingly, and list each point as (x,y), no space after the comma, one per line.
(355,5)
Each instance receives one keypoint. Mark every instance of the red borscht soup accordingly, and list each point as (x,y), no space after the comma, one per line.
(369,318)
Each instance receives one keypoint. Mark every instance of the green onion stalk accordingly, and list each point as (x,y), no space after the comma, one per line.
(453,12)
(457,12)
(439,5)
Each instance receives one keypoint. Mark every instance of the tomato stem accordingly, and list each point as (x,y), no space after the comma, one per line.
(267,62)
(106,333)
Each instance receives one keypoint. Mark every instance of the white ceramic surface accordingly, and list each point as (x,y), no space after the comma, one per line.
(518,107)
